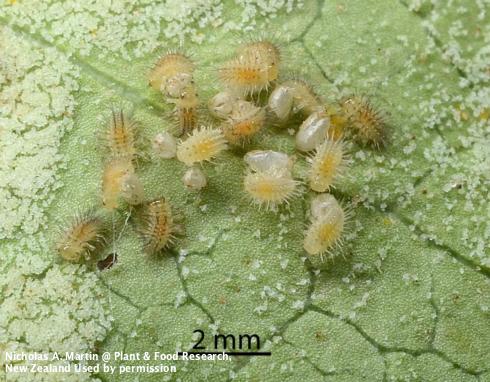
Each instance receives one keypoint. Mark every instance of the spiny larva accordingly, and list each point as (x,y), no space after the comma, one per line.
(119,180)
(201,145)
(120,136)
(244,122)
(368,124)
(84,236)
(326,227)
(274,185)
(173,76)
(265,52)
(328,163)
(157,226)
(186,108)
(246,74)
(168,66)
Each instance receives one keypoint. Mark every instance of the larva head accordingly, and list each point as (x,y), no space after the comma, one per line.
(245,75)
(325,230)
(82,238)
(245,121)
(306,100)
(327,164)
(270,189)
(114,172)
(368,124)
(222,104)
(187,98)
(178,84)
(194,179)
(312,131)
(121,136)
(164,145)
(267,53)
(167,66)
(156,225)
(202,145)
(268,161)
(281,102)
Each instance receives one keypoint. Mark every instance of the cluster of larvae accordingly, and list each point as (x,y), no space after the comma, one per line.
(122,189)
(240,114)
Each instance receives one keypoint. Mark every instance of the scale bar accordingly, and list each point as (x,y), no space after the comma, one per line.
(239,353)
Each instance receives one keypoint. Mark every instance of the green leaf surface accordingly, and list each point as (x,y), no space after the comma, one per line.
(409,298)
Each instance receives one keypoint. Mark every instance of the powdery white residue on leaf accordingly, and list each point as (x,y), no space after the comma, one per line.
(62,311)
(45,307)
(110,27)
(36,97)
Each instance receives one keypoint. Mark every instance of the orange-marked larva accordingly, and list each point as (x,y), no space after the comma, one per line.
(121,136)
(267,53)
(245,121)
(327,225)
(268,181)
(82,238)
(245,74)
(167,66)
(327,164)
(157,226)
(173,76)
(120,181)
(270,189)
(201,145)
(367,122)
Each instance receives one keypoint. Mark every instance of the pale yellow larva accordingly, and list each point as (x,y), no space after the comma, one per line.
(326,227)
(265,52)
(268,181)
(119,181)
(168,66)
(270,189)
(84,236)
(245,121)
(201,145)
(328,164)
(246,74)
